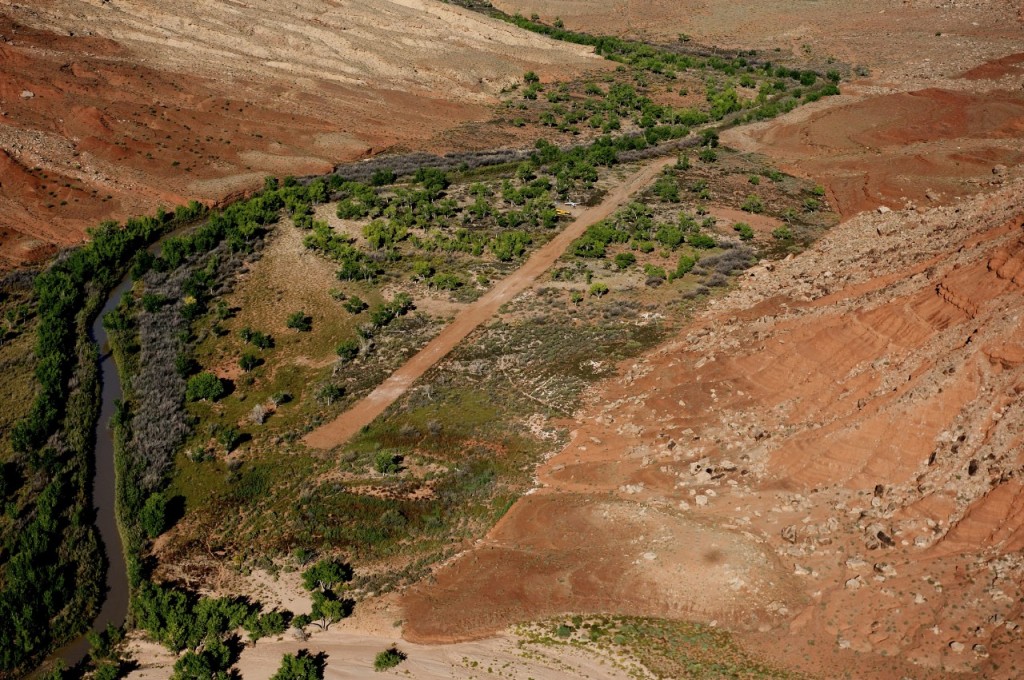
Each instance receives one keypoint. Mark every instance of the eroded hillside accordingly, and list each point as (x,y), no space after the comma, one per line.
(110,108)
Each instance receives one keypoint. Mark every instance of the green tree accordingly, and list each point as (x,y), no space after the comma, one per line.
(204,386)
(328,609)
(383,177)
(686,264)
(248,361)
(153,516)
(300,666)
(327,575)
(598,289)
(209,664)
(422,270)
(328,394)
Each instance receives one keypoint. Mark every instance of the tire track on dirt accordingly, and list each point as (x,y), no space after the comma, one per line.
(342,428)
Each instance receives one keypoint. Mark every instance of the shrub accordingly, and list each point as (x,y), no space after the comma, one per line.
(151,303)
(300,321)
(389,658)
(387,463)
(782,234)
(625,260)
(702,241)
(229,437)
(355,305)
(753,204)
(348,349)
(654,272)
(686,264)
(745,231)
(667,189)
(598,289)
(204,386)
(185,365)
(258,414)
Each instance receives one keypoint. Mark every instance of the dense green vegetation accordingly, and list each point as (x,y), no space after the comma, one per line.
(53,570)
(301,666)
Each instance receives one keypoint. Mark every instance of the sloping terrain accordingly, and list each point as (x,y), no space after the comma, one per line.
(893,39)
(110,108)
(854,411)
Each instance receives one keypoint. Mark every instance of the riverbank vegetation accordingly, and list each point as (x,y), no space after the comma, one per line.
(52,569)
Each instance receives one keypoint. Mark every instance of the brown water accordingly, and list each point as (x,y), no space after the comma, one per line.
(115,601)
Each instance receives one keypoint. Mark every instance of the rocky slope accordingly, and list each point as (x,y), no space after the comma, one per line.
(834,450)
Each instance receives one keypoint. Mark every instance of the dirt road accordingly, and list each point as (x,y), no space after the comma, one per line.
(342,428)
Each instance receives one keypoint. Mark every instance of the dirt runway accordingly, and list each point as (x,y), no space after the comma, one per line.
(342,428)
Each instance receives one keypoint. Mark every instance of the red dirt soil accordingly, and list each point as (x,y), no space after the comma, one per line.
(923,146)
(864,426)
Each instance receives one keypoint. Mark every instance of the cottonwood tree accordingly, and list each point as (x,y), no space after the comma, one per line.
(323,580)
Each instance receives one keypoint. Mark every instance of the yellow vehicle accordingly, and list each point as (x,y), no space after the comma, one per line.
(562,213)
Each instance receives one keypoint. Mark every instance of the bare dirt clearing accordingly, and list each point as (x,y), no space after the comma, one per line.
(350,654)
(112,108)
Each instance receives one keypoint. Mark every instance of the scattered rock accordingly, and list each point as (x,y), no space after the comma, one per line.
(957,647)
(27,94)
